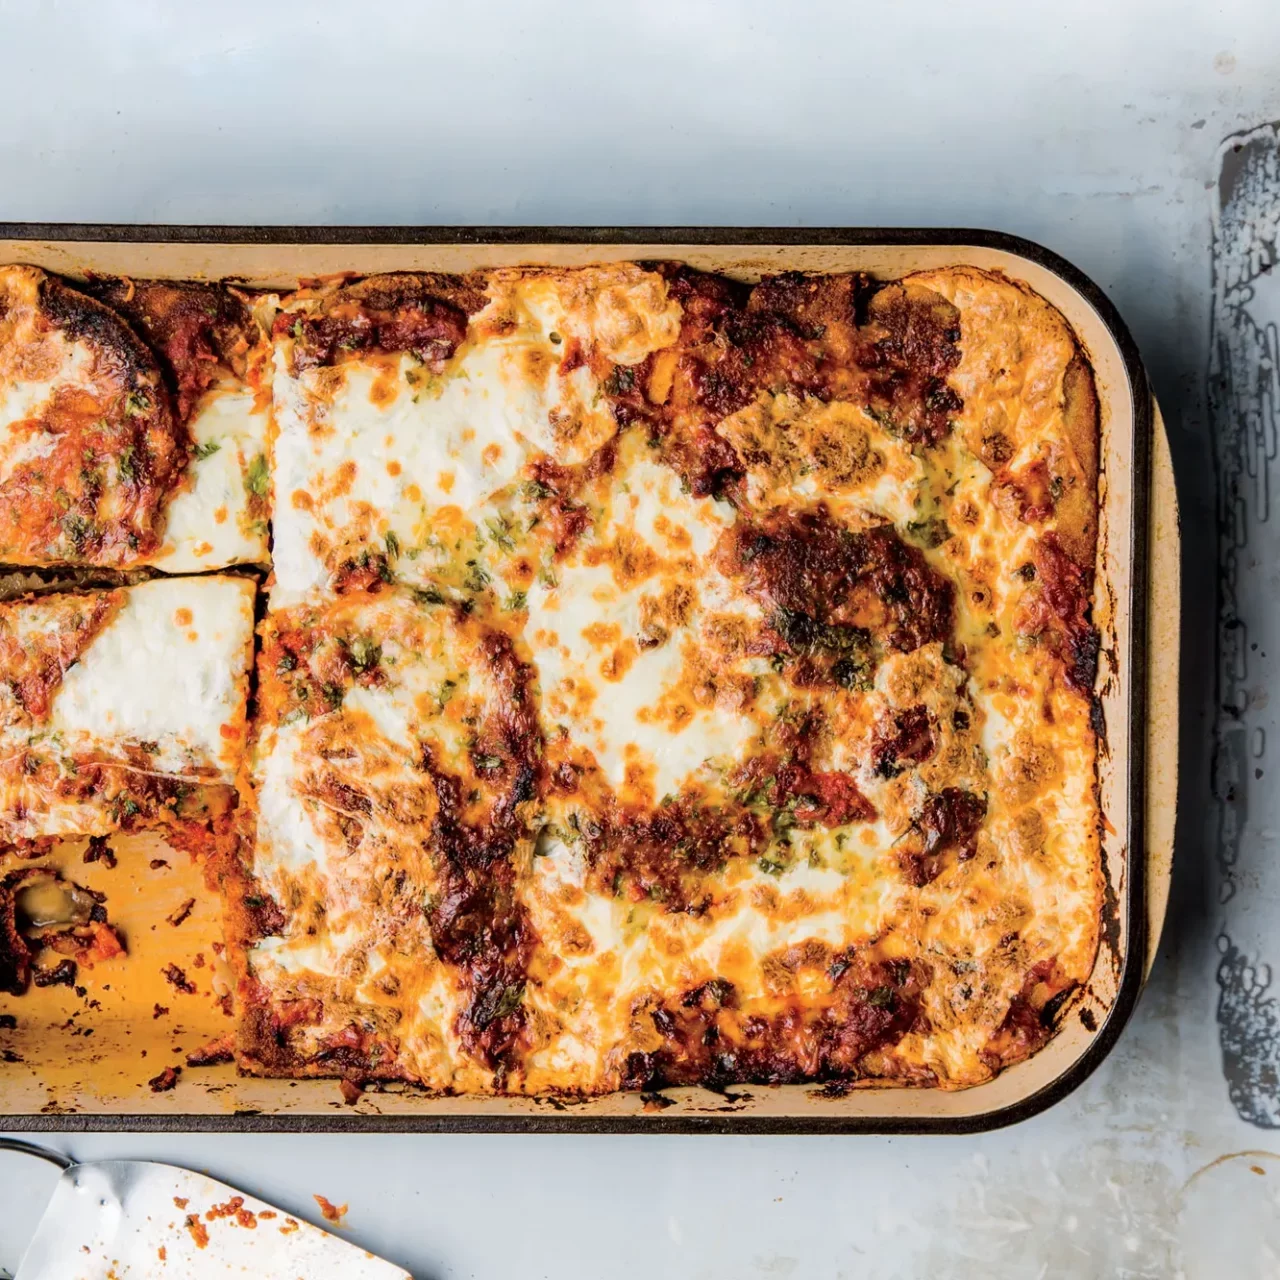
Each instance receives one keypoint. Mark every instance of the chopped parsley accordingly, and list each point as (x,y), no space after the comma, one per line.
(771,864)
(757,792)
(365,654)
(620,381)
(206,450)
(477,578)
(77,528)
(500,1002)
(500,531)
(257,479)
(930,533)
(446,692)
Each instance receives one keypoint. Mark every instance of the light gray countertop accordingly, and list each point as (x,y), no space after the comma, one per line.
(1093,128)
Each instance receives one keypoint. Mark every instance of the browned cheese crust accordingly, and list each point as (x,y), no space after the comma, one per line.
(89,446)
(199,331)
(665,680)
(808,635)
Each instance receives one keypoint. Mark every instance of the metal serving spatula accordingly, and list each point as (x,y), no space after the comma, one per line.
(135,1220)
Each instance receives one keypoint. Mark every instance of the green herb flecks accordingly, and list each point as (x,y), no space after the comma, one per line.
(365,654)
(500,529)
(620,381)
(257,479)
(774,863)
(930,533)
(78,529)
(497,1002)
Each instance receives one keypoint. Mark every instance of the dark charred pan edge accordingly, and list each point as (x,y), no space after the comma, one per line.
(561,1119)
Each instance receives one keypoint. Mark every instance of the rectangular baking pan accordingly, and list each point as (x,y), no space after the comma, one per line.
(68,1082)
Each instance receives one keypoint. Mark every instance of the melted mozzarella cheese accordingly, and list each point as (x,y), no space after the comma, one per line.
(626,952)
(801,451)
(352,471)
(285,830)
(343,818)
(620,723)
(311,857)
(592,616)
(170,669)
(622,311)
(160,692)
(207,522)
(375,446)
(380,445)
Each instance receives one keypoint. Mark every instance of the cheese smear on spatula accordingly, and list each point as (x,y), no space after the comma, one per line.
(134,1220)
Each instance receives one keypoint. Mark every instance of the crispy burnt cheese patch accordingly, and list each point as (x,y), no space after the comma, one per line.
(213,344)
(122,709)
(397,773)
(410,406)
(90,447)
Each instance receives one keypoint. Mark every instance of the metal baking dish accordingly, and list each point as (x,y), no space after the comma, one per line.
(69,1081)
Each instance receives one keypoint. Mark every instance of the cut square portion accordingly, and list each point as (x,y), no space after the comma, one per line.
(410,407)
(213,345)
(90,449)
(375,916)
(132,433)
(122,708)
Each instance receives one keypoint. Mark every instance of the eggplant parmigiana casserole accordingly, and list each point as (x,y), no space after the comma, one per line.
(567,680)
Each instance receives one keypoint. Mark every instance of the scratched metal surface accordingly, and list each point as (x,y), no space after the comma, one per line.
(1096,131)
(1244,398)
